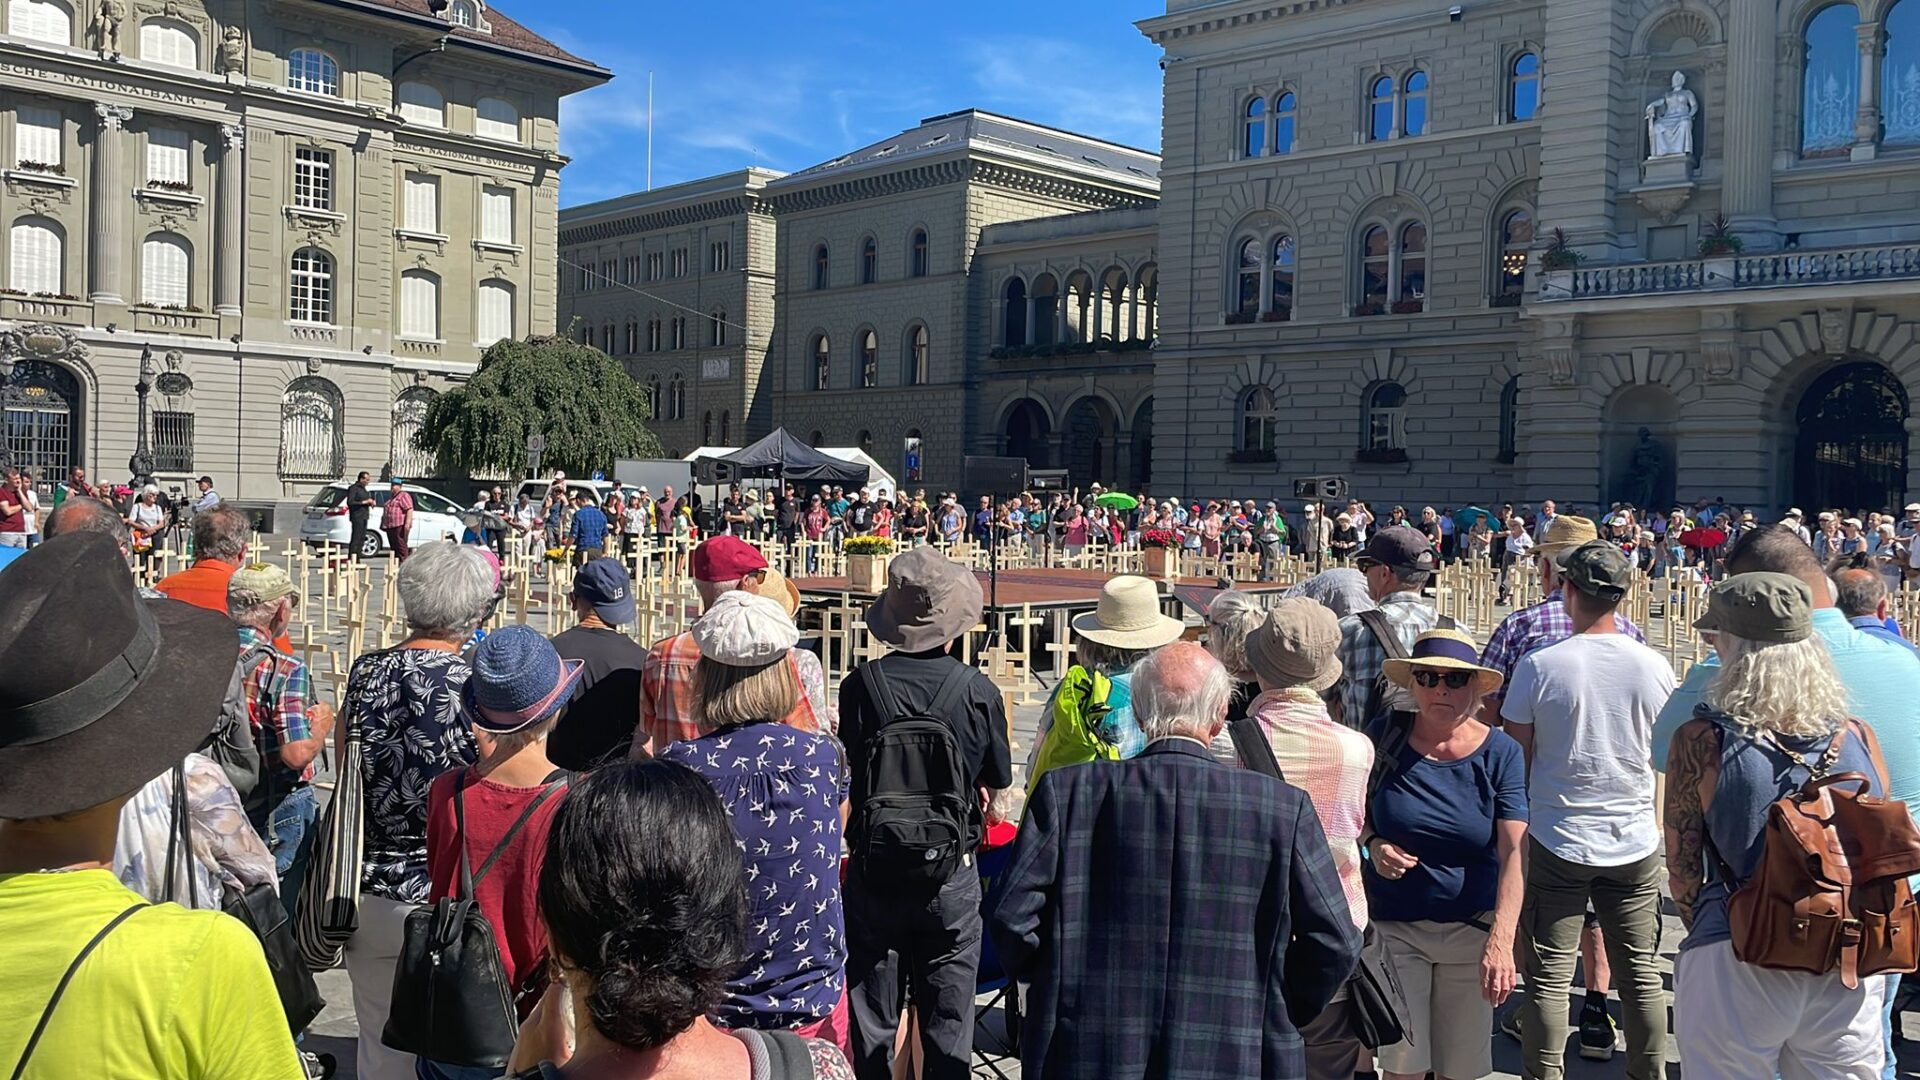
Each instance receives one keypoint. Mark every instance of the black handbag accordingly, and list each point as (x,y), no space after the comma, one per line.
(451,999)
(259,907)
(1375,999)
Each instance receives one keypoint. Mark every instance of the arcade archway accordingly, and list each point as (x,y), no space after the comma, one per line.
(1850,446)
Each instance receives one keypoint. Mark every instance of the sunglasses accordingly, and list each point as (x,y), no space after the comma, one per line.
(1455,680)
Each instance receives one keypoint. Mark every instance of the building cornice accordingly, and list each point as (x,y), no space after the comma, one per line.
(671,217)
(957,170)
(1232,15)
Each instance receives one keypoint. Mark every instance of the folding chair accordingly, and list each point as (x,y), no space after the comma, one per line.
(995,1043)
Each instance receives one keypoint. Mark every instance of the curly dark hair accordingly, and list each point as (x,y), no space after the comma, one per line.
(642,891)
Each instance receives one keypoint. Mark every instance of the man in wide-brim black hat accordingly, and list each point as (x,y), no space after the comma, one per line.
(102,691)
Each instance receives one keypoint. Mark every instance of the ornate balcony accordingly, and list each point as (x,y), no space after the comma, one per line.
(1772,270)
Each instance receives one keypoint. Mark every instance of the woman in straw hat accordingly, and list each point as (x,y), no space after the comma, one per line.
(1091,716)
(1446,823)
(784,790)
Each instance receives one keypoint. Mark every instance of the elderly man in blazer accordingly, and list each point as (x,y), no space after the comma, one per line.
(1178,918)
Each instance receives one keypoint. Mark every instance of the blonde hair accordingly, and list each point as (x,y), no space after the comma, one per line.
(725,695)
(1790,688)
(1233,617)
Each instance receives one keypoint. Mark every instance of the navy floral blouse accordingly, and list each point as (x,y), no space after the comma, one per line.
(407,702)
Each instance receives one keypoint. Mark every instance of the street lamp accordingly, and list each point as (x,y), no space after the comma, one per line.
(141,464)
(6,373)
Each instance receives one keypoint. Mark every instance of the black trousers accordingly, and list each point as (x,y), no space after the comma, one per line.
(918,946)
(359,537)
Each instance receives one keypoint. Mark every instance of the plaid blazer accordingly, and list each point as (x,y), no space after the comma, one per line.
(1177,918)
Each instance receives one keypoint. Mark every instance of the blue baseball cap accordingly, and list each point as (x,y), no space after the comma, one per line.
(604,584)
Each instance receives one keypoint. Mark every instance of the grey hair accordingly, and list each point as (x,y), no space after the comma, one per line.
(446,589)
(1107,659)
(1233,617)
(1791,688)
(221,533)
(1163,707)
(513,742)
(1858,592)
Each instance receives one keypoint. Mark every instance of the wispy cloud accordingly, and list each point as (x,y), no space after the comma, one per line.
(1067,85)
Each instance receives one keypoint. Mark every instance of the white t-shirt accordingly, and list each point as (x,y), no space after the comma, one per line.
(1519,545)
(1591,700)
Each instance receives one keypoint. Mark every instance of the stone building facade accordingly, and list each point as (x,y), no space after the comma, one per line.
(678,283)
(308,216)
(1503,253)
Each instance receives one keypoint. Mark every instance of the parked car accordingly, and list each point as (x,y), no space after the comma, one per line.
(435,517)
(597,491)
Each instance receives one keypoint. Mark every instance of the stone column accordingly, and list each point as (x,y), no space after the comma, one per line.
(230,225)
(1866,120)
(1748,190)
(109,239)
(1033,311)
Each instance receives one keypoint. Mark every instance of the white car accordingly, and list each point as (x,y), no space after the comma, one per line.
(435,517)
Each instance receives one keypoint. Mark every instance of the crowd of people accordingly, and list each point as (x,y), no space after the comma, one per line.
(1329,839)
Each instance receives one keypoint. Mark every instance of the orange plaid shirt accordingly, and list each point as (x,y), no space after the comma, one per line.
(667,714)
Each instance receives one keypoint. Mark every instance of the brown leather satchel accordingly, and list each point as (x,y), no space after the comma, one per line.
(1830,891)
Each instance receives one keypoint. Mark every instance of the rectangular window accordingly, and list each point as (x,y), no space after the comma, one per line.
(721,257)
(653,335)
(423,203)
(607,268)
(656,264)
(419,306)
(172,441)
(496,214)
(717,329)
(163,271)
(312,178)
(493,315)
(36,136)
(630,269)
(679,262)
(167,157)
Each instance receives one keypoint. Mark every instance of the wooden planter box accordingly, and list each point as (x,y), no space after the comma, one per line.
(1161,562)
(867,573)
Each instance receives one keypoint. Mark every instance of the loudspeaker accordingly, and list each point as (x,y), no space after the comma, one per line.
(995,475)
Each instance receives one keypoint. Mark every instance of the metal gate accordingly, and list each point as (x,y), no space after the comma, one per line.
(42,401)
(1852,447)
(311,446)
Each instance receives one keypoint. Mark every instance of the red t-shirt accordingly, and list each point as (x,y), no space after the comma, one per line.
(15,522)
(508,895)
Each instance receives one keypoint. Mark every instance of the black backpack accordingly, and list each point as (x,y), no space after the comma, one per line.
(920,815)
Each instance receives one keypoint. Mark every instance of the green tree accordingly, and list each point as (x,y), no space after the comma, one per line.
(577,396)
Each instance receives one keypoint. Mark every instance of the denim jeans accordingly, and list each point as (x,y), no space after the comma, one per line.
(1892,1071)
(290,836)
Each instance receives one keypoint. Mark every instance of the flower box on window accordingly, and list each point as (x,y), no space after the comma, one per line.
(1276,316)
(1364,310)
(1505,300)
(178,186)
(1409,307)
(1239,318)
(1252,456)
(1380,456)
(49,167)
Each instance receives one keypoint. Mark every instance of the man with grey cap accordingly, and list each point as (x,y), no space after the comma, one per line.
(1397,562)
(909,927)
(1583,711)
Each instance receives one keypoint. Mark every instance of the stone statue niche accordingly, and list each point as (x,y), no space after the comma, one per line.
(1645,472)
(1670,121)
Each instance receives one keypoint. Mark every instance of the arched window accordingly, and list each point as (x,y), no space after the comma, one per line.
(726,427)
(1259,420)
(822,267)
(420,307)
(869,261)
(1280,307)
(465,13)
(1284,108)
(822,363)
(630,337)
(1255,142)
(421,103)
(1413,268)
(170,42)
(311,71)
(311,443)
(1413,105)
(40,20)
(1013,321)
(1523,87)
(816,439)
(706,428)
(1386,407)
(493,312)
(717,328)
(919,267)
(1376,267)
(1046,302)
(1516,236)
(1380,110)
(864,441)
(496,118)
(653,397)
(1900,75)
(37,256)
(164,275)
(1831,82)
(310,287)
(918,372)
(869,360)
(409,416)
(1510,420)
(1247,277)
(677,397)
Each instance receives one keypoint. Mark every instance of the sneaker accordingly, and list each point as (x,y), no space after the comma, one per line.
(1510,1025)
(317,1066)
(1596,1034)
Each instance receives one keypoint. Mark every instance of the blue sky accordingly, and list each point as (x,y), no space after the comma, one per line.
(788,85)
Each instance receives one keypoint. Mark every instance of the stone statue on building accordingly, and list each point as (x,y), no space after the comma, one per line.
(1670,121)
(106,28)
(1646,471)
(233,51)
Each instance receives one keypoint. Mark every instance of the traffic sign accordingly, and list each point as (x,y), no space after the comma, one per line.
(1320,487)
(536,443)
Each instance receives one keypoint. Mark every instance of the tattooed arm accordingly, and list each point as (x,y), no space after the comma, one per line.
(1693,767)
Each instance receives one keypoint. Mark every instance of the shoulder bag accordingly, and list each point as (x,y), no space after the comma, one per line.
(329,901)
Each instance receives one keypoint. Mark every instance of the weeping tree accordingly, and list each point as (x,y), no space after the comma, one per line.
(577,396)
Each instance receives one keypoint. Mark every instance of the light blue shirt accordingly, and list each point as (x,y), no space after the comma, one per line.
(1881,680)
(206,502)
(1871,626)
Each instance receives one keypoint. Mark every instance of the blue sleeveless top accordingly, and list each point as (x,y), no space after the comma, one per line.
(1754,774)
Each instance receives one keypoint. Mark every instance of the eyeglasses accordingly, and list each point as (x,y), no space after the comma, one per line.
(1455,680)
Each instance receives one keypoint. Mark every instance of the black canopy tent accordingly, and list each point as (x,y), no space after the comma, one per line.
(783,456)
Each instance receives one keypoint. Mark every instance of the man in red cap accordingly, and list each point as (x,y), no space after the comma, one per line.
(667,713)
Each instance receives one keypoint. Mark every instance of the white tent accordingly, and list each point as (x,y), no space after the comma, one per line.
(879,480)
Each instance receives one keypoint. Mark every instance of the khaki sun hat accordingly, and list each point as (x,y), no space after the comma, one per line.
(1776,609)
(1128,616)
(1298,645)
(1566,534)
(779,588)
(1444,650)
(259,583)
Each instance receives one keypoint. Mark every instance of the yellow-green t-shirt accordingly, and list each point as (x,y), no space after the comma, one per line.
(171,994)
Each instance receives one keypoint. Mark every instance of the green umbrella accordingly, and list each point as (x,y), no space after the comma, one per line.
(1117,500)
